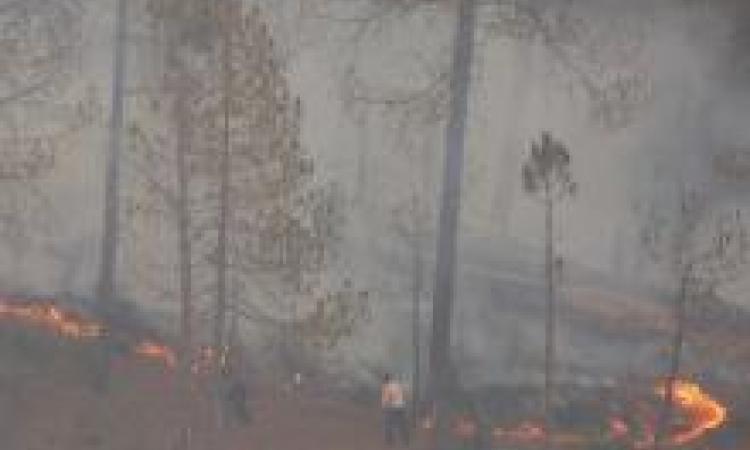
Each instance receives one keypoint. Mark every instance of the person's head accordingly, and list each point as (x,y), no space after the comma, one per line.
(387,378)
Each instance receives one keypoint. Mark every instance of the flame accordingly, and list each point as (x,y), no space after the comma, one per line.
(150,349)
(51,317)
(68,324)
(704,413)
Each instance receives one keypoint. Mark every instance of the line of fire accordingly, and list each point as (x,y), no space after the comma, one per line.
(699,412)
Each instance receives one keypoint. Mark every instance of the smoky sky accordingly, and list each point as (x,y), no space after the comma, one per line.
(694,54)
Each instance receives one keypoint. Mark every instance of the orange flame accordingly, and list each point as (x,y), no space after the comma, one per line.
(703,411)
(47,315)
(52,317)
(150,349)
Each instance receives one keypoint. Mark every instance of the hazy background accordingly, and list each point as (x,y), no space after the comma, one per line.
(692,58)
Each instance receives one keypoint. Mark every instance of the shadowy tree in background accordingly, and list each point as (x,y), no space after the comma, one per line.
(41,40)
(411,221)
(43,106)
(164,154)
(546,175)
(703,247)
(281,219)
(106,288)
(42,109)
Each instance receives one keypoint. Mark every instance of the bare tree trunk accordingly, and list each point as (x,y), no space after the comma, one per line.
(185,264)
(416,309)
(665,416)
(185,250)
(105,291)
(551,319)
(449,213)
(221,266)
(106,288)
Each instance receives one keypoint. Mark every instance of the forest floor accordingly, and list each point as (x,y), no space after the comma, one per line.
(47,403)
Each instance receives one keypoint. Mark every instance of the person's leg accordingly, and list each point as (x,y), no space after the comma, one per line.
(403,426)
(244,411)
(389,424)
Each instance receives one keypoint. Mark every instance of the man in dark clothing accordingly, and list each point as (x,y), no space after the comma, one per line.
(237,400)
(235,390)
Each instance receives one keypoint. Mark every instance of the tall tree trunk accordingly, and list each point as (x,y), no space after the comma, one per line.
(665,417)
(221,266)
(185,263)
(449,213)
(185,247)
(171,28)
(105,291)
(106,287)
(551,319)
(680,305)
(416,308)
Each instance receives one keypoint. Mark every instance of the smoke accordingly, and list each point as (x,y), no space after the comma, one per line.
(689,61)
(691,106)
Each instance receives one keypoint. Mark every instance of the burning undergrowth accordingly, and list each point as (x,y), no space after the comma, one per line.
(584,417)
(126,336)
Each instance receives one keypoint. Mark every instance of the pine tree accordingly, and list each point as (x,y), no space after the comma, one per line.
(280,219)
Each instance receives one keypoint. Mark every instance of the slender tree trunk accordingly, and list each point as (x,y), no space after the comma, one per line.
(221,267)
(686,269)
(106,287)
(665,417)
(416,309)
(448,226)
(185,255)
(185,250)
(171,29)
(105,290)
(551,319)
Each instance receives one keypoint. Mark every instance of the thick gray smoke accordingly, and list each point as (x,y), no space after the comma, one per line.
(690,62)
